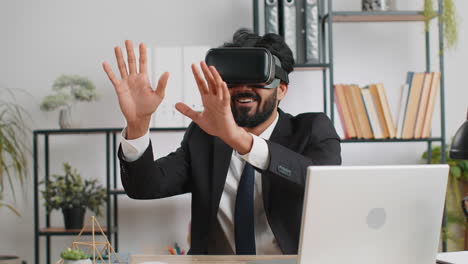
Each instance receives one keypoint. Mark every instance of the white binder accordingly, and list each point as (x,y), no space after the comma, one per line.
(312,31)
(289,25)
(271,16)
(168,59)
(192,98)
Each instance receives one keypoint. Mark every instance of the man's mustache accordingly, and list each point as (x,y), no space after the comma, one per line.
(256,97)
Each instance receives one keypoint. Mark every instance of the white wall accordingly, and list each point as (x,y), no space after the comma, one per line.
(43,39)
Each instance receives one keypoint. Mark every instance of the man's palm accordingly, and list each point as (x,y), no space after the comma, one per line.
(137,100)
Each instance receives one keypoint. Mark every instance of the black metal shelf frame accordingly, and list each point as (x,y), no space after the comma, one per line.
(377,16)
(327,19)
(111,184)
(73,233)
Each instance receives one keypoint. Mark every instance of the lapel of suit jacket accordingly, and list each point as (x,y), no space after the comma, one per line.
(221,159)
(280,135)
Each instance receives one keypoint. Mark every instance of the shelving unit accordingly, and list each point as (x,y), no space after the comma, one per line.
(111,213)
(327,19)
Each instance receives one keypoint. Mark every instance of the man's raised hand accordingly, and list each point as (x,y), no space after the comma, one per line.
(137,100)
(216,118)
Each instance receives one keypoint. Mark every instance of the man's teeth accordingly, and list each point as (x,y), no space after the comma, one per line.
(245,100)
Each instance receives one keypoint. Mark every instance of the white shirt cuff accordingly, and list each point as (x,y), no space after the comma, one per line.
(133,149)
(259,155)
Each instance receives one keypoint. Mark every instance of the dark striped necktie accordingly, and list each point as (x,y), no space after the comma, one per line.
(244,226)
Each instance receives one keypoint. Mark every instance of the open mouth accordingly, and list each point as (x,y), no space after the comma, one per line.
(245,99)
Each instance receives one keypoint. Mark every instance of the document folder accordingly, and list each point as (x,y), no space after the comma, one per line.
(312,31)
(271,16)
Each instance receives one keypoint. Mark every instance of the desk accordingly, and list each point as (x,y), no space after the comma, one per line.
(186,259)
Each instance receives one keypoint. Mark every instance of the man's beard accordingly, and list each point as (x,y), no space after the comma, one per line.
(241,114)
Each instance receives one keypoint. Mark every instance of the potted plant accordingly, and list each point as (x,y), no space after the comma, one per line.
(449,20)
(14,133)
(69,89)
(75,256)
(73,195)
(456,230)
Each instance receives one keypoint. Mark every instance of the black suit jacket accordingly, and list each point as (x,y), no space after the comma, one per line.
(201,163)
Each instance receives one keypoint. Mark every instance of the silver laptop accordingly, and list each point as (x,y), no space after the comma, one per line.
(372,214)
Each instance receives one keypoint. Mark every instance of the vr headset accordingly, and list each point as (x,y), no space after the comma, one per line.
(255,67)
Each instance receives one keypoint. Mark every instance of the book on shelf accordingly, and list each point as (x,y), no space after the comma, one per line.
(345,112)
(379,108)
(422,107)
(365,112)
(372,114)
(381,105)
(420,101)
(353,111)
(361,111)
(435,82)
(402,109)
(383,100)
(362,116)
(412,107)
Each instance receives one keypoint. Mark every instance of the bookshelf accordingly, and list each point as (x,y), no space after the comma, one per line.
(44,229)
(328,18)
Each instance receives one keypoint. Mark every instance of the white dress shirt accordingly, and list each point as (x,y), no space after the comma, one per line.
(259,157)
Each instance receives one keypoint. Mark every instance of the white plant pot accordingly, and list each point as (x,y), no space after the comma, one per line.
(81,261)
(378,5)
(67,119)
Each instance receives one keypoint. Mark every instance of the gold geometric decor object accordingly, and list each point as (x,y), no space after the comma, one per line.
(99,248)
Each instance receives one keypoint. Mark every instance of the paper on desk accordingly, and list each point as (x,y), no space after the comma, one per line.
(454,257)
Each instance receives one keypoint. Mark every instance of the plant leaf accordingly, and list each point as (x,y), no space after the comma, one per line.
(10,206)
(456,171)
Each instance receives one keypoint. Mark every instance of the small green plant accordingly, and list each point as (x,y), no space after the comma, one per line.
(448,18)
(69,89)
(73,254)
(14,132)
(458,177)
(71,191)
(458,169)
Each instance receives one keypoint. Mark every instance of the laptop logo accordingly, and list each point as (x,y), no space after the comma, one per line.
(376,218)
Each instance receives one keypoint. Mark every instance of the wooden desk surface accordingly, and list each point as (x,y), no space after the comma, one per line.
(185,259)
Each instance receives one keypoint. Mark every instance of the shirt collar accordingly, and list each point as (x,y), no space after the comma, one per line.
(269,130)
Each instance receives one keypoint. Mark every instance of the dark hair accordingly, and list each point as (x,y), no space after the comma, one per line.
(273,42)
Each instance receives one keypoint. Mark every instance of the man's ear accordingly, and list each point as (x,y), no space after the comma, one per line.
(281,91)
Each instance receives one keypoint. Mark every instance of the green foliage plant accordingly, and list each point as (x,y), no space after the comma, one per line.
(448,18)
(14,133)
(71,191)
(458,176)
(73,254)
(67,90)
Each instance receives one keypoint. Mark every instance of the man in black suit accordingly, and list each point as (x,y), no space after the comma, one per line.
(242,158)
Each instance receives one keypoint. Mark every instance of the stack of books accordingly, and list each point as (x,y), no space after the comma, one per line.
(365,112)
